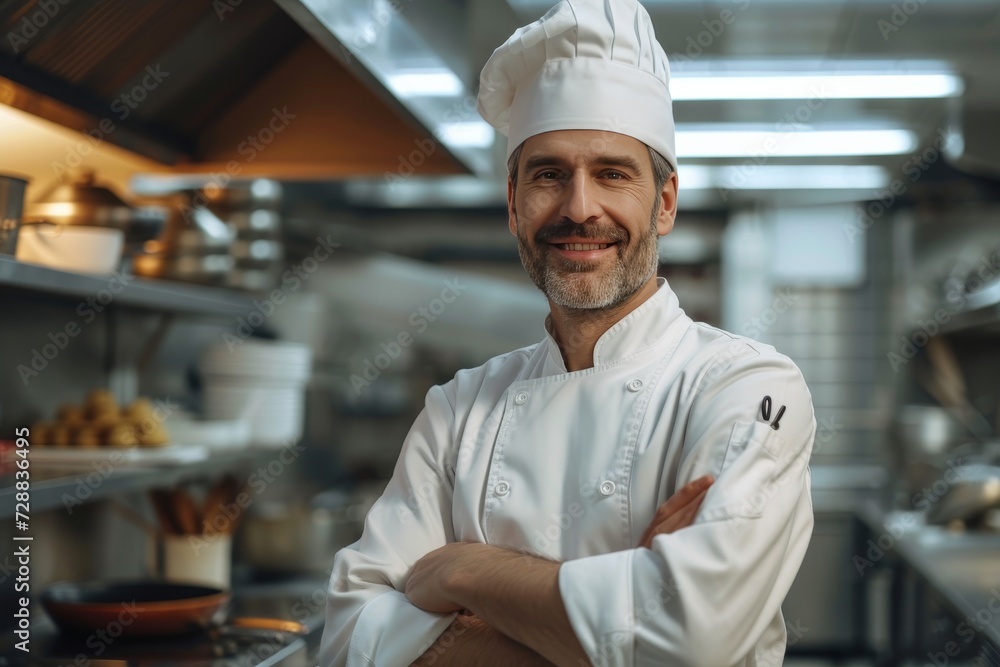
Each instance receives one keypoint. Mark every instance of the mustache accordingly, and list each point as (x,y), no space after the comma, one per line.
(569,229)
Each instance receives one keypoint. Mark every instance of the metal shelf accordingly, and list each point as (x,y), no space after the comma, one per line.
(55,488)
(982,314)
(981,321)
(158,295)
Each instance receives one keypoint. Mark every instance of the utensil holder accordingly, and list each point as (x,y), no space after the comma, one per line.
(198,559)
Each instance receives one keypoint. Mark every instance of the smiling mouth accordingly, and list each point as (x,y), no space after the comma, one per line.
(583,246)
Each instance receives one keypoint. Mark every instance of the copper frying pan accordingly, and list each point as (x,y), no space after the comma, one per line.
(145,609)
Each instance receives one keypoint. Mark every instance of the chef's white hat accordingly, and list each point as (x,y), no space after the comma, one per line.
(585,65)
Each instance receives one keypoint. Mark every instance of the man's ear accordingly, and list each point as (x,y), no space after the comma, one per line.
(511,209)
(668,206)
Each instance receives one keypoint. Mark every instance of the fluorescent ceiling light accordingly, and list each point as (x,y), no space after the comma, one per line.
(797,141)
(783,177)
(475,134)
(427,83)
(814,85)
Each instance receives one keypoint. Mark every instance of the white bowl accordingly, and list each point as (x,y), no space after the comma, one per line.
(71,247)
(215,433)
(275,414)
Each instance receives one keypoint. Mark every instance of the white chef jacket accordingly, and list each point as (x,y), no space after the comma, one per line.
(522,454)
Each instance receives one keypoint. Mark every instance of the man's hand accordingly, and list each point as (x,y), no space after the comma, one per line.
(427,585)
(515,593)
(678,511)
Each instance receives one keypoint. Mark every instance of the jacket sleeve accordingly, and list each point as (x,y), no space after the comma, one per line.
(369,621)
(707,594)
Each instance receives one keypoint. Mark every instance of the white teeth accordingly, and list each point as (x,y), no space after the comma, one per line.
(584,246)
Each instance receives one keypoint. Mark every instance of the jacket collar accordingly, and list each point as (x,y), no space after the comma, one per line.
(640,330)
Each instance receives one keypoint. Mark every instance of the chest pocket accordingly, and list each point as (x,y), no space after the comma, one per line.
(749,472)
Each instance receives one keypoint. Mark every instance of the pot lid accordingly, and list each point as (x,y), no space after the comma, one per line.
(80,201)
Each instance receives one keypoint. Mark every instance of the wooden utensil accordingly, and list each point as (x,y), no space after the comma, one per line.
(186,512)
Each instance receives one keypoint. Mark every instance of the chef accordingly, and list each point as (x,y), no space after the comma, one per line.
(633,489)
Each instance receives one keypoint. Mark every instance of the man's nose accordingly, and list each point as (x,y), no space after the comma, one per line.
(579,200)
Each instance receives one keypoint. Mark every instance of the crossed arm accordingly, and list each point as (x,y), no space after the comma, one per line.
(513,612)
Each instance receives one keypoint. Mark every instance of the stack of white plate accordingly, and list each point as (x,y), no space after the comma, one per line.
(260,382)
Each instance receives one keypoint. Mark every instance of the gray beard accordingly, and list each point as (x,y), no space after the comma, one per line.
(577,285)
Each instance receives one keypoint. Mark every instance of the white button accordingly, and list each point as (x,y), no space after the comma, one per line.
(520,398)
(501,489)
(634,385)
(607,487)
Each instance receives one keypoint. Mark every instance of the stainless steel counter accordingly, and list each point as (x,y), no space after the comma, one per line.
(960,569)
(302,601)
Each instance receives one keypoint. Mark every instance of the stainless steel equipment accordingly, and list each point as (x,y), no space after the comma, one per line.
(11,206)
(295,538)
(923,439)
(975,492)
(195,247)
(252,210)
(81,201)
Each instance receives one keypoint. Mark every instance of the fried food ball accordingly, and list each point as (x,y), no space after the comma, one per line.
(140,409)
(41,434)
(151,432)
(100,397)
(87,437)
(103,412)
(122,435)
(70,413)
(61,436)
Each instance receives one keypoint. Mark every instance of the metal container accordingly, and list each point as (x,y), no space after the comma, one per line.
(924,439)
(11,206)
(82,202)
(296,538)
(974,492)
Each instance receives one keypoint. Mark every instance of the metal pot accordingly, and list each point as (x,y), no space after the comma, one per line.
(922,440)
(196,246)
(11,205)
(82,202)
(298,538)
(975,491)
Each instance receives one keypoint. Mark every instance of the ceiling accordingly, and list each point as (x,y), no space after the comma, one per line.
(704,36)
(93,49)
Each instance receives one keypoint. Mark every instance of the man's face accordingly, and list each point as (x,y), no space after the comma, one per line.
(587,215)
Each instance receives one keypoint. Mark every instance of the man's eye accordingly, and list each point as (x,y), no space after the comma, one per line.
(548,174)
(614,175)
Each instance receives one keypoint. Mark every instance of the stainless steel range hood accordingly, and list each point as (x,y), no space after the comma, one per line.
(355,89)
(379,42)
